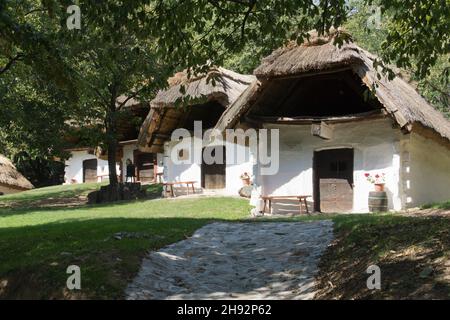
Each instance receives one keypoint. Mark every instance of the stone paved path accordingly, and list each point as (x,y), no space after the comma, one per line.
(236,261)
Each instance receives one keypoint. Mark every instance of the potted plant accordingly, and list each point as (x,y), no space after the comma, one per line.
(378,179)
(245,179)
(378,199)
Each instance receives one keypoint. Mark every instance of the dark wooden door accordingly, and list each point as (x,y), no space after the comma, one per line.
(90,170)
(213,175)
(333,180)
(145,163)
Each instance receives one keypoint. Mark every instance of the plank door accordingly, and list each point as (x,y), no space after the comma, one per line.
(213,175)
(90,170)
(145,163)
(333,182)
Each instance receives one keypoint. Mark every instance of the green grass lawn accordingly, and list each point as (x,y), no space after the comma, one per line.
(49,195)
(38,244)
(52,192)
(39,241)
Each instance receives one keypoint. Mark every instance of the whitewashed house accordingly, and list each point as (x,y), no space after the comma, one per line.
(90,164)
(204,98)
(86,165)
(338,123)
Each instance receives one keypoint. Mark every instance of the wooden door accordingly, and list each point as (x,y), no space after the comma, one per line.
(213,175)
(90,170)
(145,163)
(333,180)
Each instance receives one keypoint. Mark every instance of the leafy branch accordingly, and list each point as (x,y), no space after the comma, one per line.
(11,62)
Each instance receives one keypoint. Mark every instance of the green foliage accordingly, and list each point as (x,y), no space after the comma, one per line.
(36,94)
(417,33)
(434,84)
(130,48)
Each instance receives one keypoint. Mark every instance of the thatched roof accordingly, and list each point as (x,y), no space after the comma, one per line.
(10,177)
(317,54)
(321,55)
(171,107)
(129,118)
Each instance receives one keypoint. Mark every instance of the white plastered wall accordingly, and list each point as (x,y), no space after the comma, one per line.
(128,153)
(236,167)
(174,171)
(192,171)
(74,167)
(376,147)
(426,171)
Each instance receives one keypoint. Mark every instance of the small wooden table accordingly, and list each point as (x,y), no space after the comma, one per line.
(168,186)
(301,200)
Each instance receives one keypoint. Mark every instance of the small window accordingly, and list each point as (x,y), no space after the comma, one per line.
(338,166)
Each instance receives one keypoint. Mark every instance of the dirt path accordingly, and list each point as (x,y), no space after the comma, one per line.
(237,261)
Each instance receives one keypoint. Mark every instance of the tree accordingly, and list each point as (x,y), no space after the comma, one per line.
(28,36)
(32,121)
(129,48)
(36,94)
(109,62)
(434,86)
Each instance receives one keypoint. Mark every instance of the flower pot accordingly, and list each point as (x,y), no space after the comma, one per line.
(379,187)
(246,181)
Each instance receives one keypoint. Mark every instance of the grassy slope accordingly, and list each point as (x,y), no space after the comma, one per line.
(51,192)
(37,245)
(412,253)
(58,196)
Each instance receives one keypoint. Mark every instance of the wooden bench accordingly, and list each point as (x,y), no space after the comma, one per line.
(301,200)
(168,186)
(104,176)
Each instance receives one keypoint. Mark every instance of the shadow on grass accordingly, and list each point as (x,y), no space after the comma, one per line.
(60,191)
(27,207)
(108,251)
(5,212)
(411,253)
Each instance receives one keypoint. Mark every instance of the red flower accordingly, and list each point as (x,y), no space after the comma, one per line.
(367,174)
(377,176)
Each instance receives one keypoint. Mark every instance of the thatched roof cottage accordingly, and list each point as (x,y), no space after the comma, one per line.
(88,163)
(11,180)
(204,98)
(340,126)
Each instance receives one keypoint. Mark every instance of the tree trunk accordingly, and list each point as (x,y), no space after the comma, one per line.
(111,139)
(112,150)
